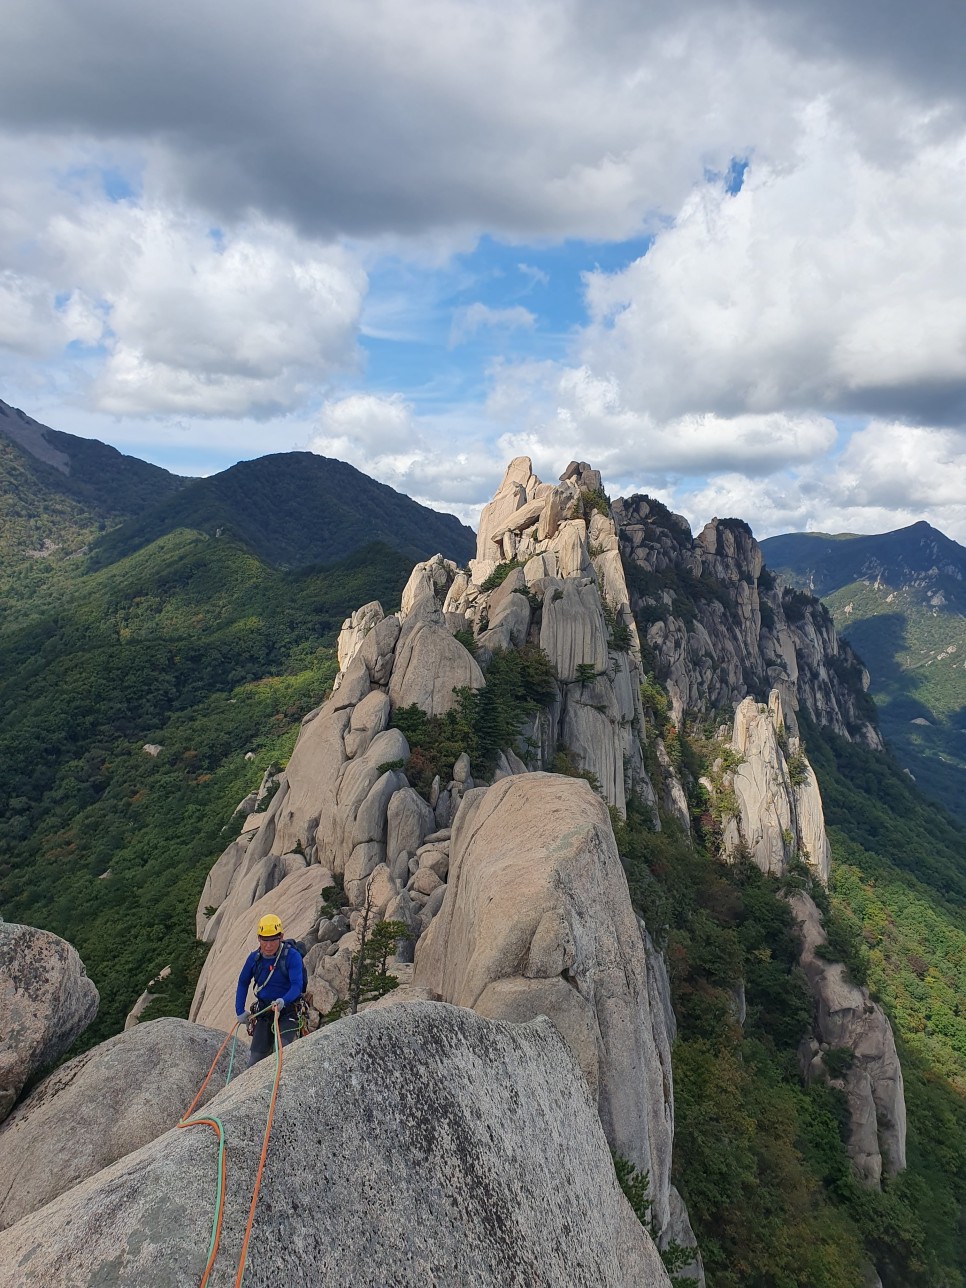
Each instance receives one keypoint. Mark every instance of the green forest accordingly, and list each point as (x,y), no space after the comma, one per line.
(192,644)
(759,1157)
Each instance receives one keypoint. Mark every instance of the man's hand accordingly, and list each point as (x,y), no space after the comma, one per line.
(242,1015)
(278,1005)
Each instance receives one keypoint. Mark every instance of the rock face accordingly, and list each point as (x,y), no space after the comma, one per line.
(538,921)
(846,1018)
(569,596)
(344,808)
(46,1001)
(779,815)
(106,1103)
(717,626)
(489,1168)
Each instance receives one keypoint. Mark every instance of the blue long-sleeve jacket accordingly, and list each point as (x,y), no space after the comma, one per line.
(273,978)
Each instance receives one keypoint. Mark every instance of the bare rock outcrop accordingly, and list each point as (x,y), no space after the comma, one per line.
(846,1019)
(100,1106)
(46,1001)
(719,627)
(565,590)
(779,815)
(454,1180)
(429,665)
(537,920)
(344,795)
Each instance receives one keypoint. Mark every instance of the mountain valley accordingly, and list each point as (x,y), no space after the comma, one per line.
(584,712)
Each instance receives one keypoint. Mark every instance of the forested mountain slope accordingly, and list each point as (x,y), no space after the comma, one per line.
(900,599)
(139,708)
(140,608)
(295,508)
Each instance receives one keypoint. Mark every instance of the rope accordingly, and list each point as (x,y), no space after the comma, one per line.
(217,1127)
(261,1162)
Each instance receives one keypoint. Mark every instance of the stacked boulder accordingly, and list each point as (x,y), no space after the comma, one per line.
(46,1001)
(512,890)
(344,811)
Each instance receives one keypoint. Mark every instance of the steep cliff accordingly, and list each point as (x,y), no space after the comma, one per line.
(717,626)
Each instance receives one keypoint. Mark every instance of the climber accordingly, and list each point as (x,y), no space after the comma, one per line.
(275,968)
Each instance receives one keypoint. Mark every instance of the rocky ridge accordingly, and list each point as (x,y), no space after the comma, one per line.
(718,627)
(512,889)
(344,812)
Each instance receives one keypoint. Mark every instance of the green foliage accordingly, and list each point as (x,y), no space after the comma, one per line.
(654,700)
(907,625)
(619,634)
(369,974)
(594,502)
(467,639)
(339,510)
(635,1186)
(482,722)
(758,1157)
(797,769)
(499,574)
(332,899)
(585,673)
(674,591)
(838,1061)
(564,762)
(191,644)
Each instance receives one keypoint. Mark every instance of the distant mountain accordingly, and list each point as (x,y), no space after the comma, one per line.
(919,559)
(58,490)
(292,509)
(900,598)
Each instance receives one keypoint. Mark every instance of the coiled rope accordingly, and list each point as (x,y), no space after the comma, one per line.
(218,1128)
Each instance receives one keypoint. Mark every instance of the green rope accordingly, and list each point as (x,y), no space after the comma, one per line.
(220,1191)
(277,1034)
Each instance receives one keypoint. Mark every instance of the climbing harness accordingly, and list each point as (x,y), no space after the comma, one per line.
(217,1127)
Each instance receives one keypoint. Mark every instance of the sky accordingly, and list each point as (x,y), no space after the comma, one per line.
(715,249)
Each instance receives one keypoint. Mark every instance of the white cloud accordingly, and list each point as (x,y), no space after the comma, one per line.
(422,456)
(346,137)
(888,476)
(575,411)
(376,118)
(190,320)
(831,280)
(535,276)
(467,321)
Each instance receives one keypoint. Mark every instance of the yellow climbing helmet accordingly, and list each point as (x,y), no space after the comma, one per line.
(269,926)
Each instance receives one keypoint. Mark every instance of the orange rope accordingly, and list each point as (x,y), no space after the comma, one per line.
(217,1129)
(228,1037)
(261,1161)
